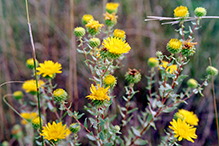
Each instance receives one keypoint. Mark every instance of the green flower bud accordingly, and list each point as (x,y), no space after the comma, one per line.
(75,127)
(36,122)
(18,95)
(212,70)
(159,53)
(200,11)
(86,18)
(30,63)
(117,128)
(133,76)
(109,80)
(17,131)
(5,143)
(192,83)
(60,95)
(94,42)
(153,62)
(79,32)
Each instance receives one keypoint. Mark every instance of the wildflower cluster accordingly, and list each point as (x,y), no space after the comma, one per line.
(103,55)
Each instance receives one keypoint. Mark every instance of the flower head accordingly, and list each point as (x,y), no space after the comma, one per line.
(188,48)
(118,33)
(18,95)
(55,131)
(192,83)
(28,117)
(182,130)
(171,69)
(86,18)
(109,80)
(94,42)
(49,69)
(112,7)
(60,95)
(74,127)
(98,93)
(174,46)
(188,116)
(212,70)
(30,63)
(133,76)
(79,32)
(110,19)
(93,27)
(153,61)
(30,86)
(181,11)
(36,122)
(116,46)
(200,11)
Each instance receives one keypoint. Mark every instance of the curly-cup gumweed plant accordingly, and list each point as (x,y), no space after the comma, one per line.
(103,56)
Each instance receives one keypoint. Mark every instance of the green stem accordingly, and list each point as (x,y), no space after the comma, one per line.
(34,59)
(12,107)
(215,103)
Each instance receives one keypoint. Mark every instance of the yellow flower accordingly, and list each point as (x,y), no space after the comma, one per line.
(182,130)
(119,33)
(98,93)
(188,116)
(28,117)
(36,120)
(86,18)
(112,7)
(49,68)
(174,45)
(116,46)
(18,95)
(109,80)
(55,131)
(171,69)
(109,16)
(30,63)
(30,86)
(94,25)
(181,11)
(153,61)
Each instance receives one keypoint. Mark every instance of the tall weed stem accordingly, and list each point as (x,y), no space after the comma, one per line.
(34,60)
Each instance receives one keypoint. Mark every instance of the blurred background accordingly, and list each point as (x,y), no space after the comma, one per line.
(52,24)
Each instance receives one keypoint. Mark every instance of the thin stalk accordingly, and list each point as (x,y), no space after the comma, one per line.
(34,60)
(193,29)
(215,103)
(182,30)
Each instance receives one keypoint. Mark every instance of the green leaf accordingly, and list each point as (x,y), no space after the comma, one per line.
(169,109)
(124,98)
(140,142)
(85,122)
(136,132)
(108,144)
(91,137)
(130,111)
(101,135)
(51,107)
(80,51)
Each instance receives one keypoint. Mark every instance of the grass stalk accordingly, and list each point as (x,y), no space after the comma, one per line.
(34,59)
(215,103)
